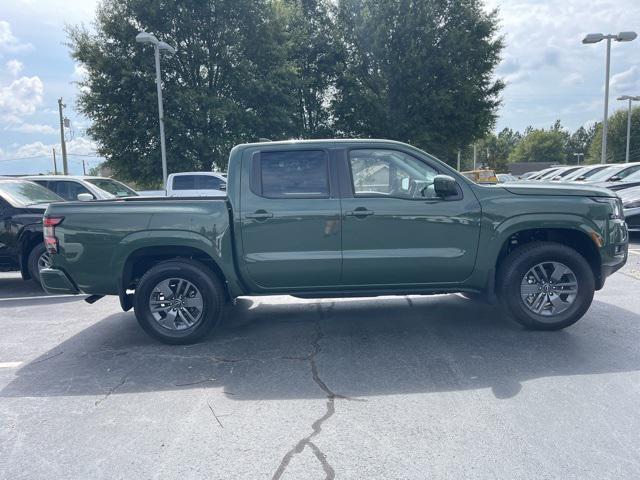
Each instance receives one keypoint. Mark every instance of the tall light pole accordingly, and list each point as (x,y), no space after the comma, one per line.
(631,99)
(144,37)
(595,38)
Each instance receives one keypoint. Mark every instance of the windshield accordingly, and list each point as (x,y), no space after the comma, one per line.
(593,171)
(549,174)
(577,173)
(634,177)
(21,193)
(604,174)
(114,187)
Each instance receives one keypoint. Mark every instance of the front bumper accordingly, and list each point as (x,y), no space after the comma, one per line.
(614,254)
(56,281)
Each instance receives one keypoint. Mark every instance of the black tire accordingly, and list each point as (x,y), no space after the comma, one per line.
(518,263)
(202,278)
(32,261)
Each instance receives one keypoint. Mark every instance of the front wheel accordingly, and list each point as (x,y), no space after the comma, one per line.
(178,301)
(545,285)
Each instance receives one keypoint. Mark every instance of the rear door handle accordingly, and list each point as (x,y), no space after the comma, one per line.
(259,215)
(359,213)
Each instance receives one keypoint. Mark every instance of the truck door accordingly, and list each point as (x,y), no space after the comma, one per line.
(290,219)
(396,231)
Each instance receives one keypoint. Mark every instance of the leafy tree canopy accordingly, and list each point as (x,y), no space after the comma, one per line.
(421,72)
(617,139)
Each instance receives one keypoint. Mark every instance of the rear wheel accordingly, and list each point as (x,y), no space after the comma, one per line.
(178,301)
(38,259)
(546,286)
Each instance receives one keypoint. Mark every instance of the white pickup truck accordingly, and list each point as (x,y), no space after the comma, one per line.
(197,184)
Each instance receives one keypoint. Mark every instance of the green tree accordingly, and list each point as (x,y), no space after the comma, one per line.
(579,142)
(229,82)
(540,146)
(420,72)
(617,139)
(315,53)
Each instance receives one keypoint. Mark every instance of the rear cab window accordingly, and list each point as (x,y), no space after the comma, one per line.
(291,174)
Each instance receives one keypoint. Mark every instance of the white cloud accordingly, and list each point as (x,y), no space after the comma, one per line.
(14,67)
(627,81)
(78,146)
(20,98)
(32,128)
(573,79)
(9,42)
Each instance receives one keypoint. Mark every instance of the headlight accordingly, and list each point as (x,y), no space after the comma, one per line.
(616,206)
(632,204)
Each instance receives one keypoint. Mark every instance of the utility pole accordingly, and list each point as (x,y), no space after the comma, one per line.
(65,167)
(84,167)
(55,166)
(475,155)
(629,112)
(458,159)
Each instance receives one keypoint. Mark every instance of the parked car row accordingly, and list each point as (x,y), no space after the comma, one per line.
(621,178)
(24,200)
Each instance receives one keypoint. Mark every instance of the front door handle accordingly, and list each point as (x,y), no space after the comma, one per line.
(359,212)
(259,215)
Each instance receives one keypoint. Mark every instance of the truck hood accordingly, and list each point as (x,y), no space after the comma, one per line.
(541,188)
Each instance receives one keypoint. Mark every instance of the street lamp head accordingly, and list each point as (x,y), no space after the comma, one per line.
(165,47)
(144,37)
(593,38)
(626,36)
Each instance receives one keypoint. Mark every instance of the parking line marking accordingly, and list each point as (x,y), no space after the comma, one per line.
(10,364)
(38,297)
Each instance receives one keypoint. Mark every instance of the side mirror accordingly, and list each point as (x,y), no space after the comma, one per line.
(445,186)
(404,184)
(223,187)
(615,178)
(85,197)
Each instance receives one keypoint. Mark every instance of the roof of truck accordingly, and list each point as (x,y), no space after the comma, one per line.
(324,140)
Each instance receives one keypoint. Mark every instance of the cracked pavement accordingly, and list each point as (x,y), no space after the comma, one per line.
(394,387)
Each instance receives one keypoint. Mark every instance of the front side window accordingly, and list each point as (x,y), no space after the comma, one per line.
(68,190)
(390,173)
(296,173)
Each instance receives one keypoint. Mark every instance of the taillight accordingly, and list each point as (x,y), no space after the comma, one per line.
(49,232)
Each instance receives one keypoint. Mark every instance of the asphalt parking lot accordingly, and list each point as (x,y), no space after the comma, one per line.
(395,387)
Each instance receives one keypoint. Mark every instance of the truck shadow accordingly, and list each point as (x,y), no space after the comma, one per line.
(268,349)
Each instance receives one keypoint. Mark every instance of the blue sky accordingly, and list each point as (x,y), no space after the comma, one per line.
(550,75)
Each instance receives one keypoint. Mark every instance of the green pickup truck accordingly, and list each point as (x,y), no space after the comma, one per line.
(335,218)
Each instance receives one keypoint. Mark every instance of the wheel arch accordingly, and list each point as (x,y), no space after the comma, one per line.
(576,238)
(29,240)
(142,259)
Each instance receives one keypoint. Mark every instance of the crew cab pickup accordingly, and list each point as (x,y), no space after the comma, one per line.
(333,218)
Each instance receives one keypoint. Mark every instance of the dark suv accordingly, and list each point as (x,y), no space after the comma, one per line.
(22,205)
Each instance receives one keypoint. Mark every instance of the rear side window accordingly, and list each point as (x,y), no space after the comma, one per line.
(291,174)
(185,182)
